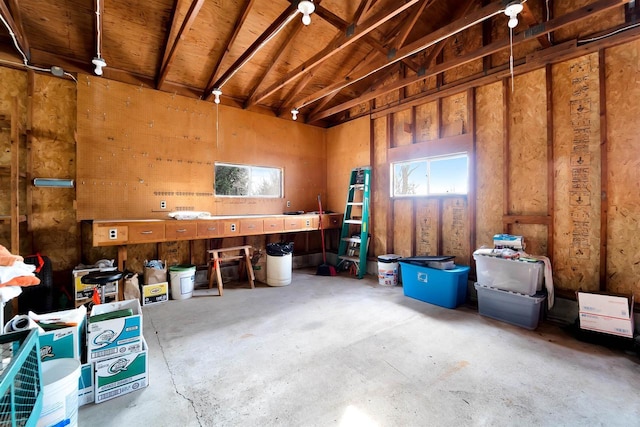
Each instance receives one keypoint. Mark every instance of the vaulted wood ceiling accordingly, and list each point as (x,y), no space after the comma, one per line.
(262,57)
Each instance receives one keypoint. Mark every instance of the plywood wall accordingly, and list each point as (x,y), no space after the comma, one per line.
(623,166)
(577,160)
(489,163)
(348,148)
(138,146)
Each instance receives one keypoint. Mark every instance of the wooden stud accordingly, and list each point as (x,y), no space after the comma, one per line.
(550,163)
(472,192)
(15,177)
(604,171)
(505,150)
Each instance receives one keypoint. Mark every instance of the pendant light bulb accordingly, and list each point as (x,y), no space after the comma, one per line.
(99,63)
(216,93)
(306,8)
(294,114)
(513,22)
(512,10)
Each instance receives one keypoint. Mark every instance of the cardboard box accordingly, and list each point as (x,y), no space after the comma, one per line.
(606,313)
(65,342)
(123,335)
(154,294)
(618,306)
(121,375)
(83,291)
(85,385)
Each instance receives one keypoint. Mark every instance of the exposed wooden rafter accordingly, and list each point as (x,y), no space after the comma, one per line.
(11,14)
(530,21)
(169,54)
(246,7)
(340,44)
(408,50)
(270,32)
(552,25)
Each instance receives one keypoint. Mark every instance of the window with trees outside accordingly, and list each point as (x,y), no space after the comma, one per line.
(247,181)
(431,176)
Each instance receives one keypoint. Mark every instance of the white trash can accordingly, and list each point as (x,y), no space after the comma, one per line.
(182,278)
(388,269)
(279,263)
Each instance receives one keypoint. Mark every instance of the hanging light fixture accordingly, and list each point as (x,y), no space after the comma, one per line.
(306,8)
(216,92)
(294,114)
(98,62)
(512,10)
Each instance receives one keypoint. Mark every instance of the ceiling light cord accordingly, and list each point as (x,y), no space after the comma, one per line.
(98,62)
(15,41)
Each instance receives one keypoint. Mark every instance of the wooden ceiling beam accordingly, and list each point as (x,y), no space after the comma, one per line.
(530,21)
(337,46)
(410,23)
(549,26)
(11,14)
(411,49)
(363,8)
(246,7)
(286,104)
(296,29)
(273,29)
(187,22)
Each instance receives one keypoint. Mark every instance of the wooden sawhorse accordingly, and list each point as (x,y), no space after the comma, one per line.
(215,260)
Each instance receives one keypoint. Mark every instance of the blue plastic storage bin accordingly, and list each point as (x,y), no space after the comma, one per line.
(446,288)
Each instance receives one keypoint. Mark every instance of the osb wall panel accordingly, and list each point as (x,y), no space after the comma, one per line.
(489,163)
(427,226)
(623,128)
(12,84)
(380,201)
(426,122)
(594,24)
(535,238)
(402,128)
(348,147)
(403,227)
(528,145)
(455,117)
(456,46)
(455,229)
(53,154)
(388,98)
(420,86)
(138,146)
(576,122)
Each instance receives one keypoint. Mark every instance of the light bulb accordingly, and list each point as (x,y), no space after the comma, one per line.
(99,64)
(306,8)
(216,93)
(513,22)
(294,114)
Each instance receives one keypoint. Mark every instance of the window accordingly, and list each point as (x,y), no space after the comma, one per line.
(431,176)
(247,181)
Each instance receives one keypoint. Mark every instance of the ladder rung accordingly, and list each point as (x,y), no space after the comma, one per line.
(357,186)
(355,204)
(353,221)
(350,258)
(352,239)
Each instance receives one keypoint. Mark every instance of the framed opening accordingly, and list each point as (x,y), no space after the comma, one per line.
(232,180)
(431,176)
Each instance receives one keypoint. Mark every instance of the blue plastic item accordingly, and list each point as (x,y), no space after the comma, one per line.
(21,388)
(446,288)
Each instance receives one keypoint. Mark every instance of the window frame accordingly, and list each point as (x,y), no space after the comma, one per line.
(250,168)
(429,160)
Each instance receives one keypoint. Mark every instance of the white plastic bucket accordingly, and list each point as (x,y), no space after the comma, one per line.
(60,397)
(182,278)
(279,270)
(388,269)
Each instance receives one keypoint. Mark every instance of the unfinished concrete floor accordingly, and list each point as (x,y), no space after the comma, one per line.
(339,351)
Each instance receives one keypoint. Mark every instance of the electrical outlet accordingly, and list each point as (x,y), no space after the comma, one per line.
(113,233)
(163,204)
(288,203)
(308,223)
(233,227)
